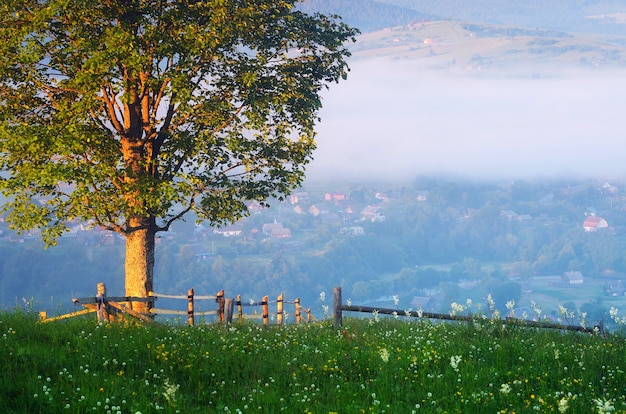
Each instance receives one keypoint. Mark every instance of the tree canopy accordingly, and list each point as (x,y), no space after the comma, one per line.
(130,113)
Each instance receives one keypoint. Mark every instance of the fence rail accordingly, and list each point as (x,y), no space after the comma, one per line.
(107,308)
(339,308)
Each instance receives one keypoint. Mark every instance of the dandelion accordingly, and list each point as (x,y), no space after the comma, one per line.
(505,389)
(563,405)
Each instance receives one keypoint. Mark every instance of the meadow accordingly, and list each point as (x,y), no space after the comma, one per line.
(369,365)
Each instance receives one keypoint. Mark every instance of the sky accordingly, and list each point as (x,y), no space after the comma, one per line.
(393,119)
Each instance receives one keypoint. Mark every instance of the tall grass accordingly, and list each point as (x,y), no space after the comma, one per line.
(367,366)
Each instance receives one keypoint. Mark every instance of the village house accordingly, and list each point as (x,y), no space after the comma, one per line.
(352,230)
(422,195)
(372,213)
(231,230)
(296,198)
(276,231)
(615,288)
(572,278)
(334,197)
(199,251)
(254,207)
(593,223)
(381,196)
(313,210)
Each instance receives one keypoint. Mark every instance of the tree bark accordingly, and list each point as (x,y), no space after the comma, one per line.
(139,266)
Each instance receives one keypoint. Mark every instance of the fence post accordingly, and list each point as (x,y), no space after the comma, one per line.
(101,313)
(266,312)
(190,320)
(228,310)
(337,317)
(220,305)
(297,304)
(279,309)
(239,308)
(308,315)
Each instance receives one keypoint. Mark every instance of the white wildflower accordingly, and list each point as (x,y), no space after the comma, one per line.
(604,406)
(456,308)
(454,362)
(384,355)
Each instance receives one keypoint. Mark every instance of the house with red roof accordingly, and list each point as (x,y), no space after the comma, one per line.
(593,223)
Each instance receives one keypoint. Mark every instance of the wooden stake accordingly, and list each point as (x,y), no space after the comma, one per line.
(102,314)
(220,305)
(279,309)
(337,317)
(228,310)
(266,312)
(190,319)
(239,308)
(297,304)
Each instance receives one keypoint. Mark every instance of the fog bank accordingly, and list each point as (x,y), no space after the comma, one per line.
(391,119)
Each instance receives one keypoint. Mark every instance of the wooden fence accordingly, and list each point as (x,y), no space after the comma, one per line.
(339,308)
(108,308)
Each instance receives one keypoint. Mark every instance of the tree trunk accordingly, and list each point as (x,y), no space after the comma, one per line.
(139,266)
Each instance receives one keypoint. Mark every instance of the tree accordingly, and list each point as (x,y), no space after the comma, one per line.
(130,114)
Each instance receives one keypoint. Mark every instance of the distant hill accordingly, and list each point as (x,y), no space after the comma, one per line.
(585,16)
(481,35)
(588,16)
(480,47)
(366,15)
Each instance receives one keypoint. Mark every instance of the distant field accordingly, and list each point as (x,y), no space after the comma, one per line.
(474,48)
(549,291)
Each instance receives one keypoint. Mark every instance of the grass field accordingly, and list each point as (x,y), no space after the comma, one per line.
(367,366)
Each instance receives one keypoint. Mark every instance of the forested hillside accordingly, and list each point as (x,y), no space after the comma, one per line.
(427,238)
